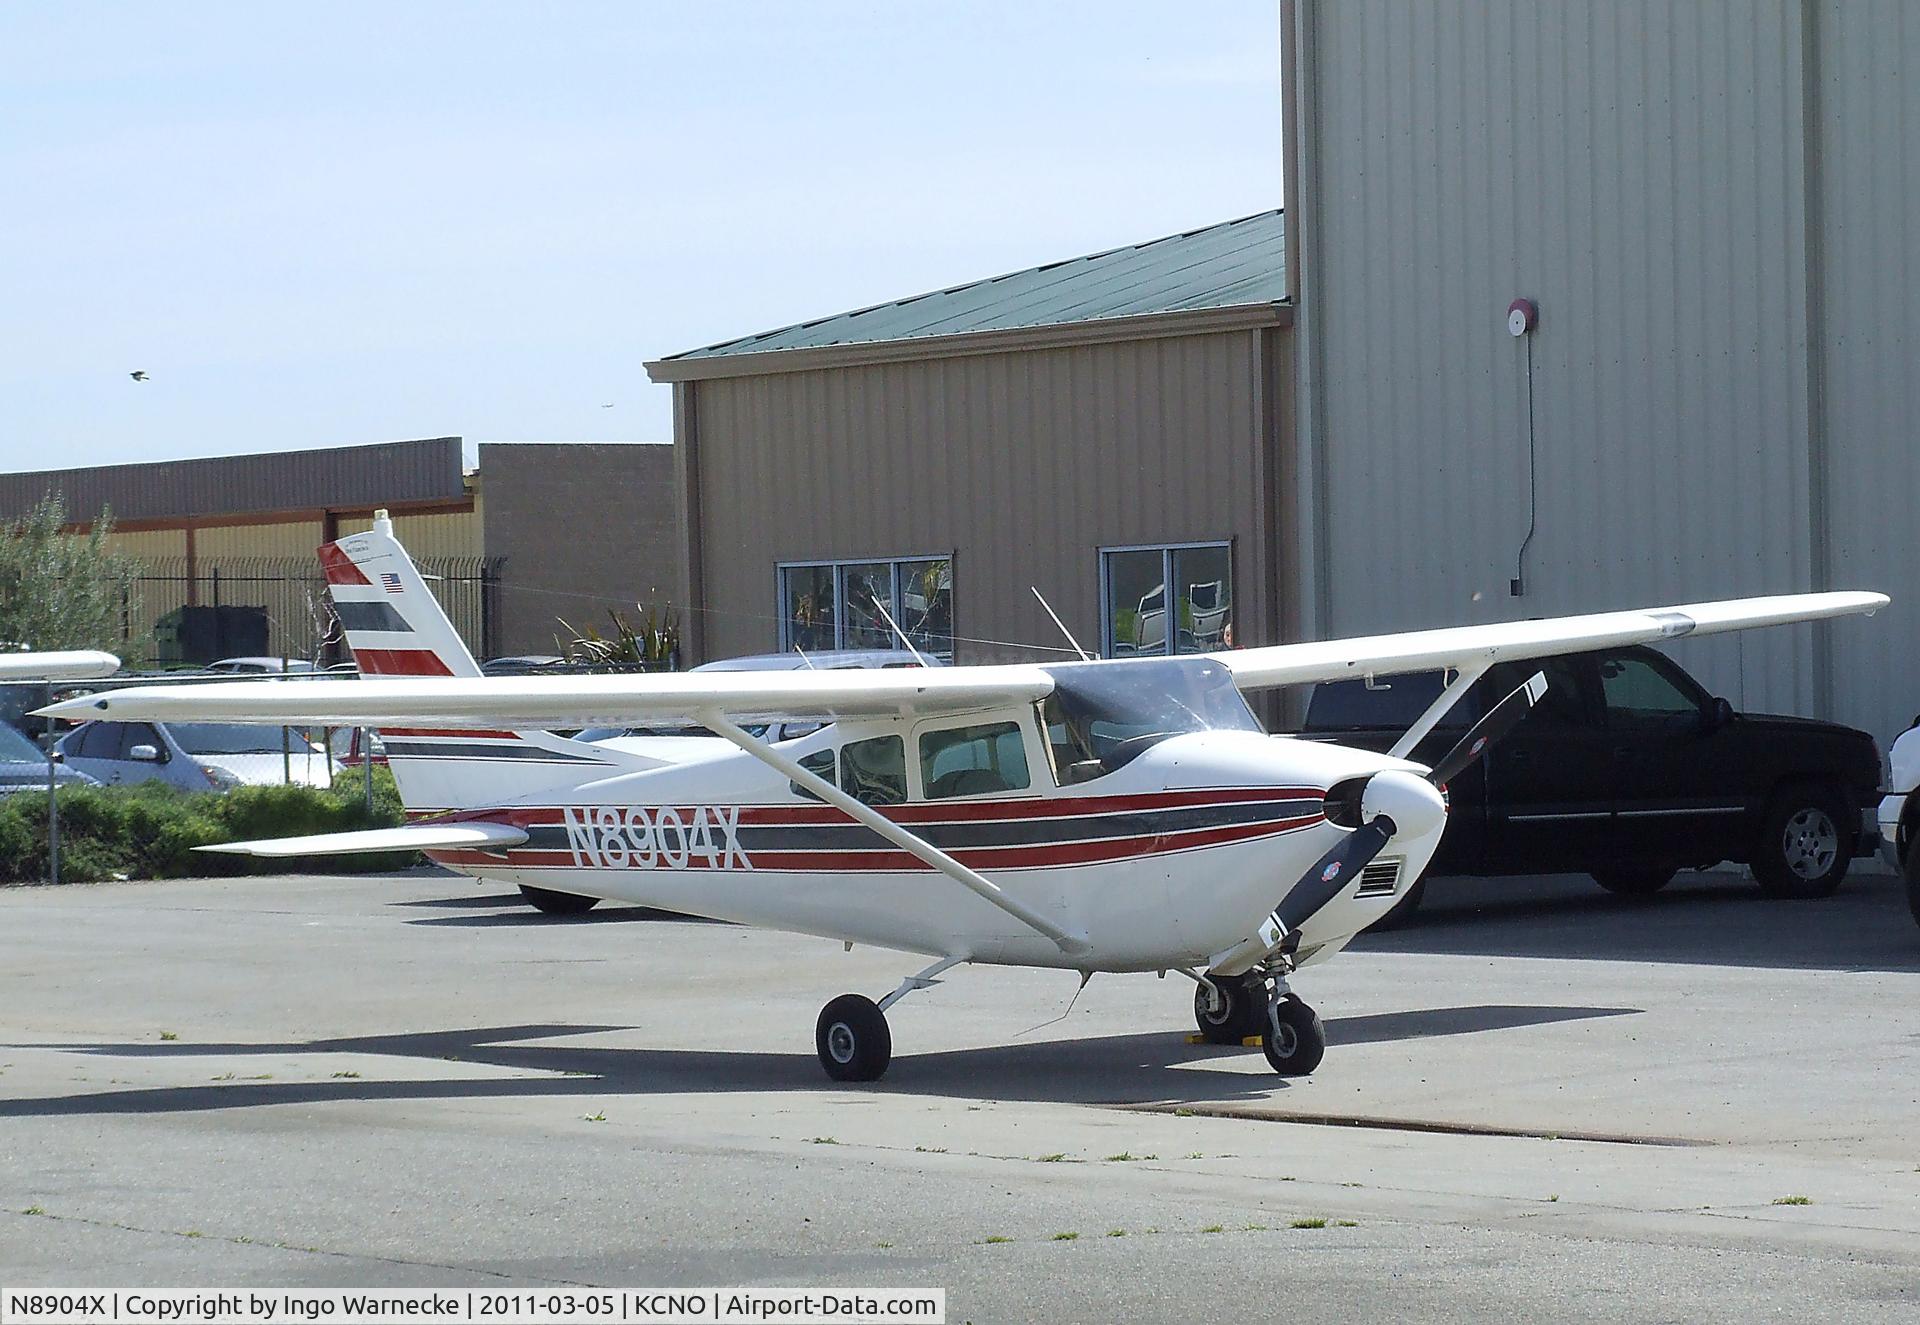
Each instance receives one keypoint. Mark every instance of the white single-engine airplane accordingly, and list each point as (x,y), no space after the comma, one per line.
(1109,816)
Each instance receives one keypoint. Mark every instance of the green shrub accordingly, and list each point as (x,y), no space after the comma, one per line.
(149,829)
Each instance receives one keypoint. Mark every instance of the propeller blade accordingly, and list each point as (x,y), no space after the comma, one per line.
(1499,721)
(1332,872)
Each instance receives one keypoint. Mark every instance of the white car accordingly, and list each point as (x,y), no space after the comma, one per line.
(197,756)
(1897,824)
(259,666)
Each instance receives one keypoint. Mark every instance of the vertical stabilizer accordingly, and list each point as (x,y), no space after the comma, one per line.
(396,627)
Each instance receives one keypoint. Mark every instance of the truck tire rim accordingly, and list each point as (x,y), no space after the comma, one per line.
(1810,843)
(841,1045)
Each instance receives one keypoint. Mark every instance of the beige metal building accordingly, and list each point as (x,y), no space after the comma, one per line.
(555,531)
(1111,430)
(1715,207)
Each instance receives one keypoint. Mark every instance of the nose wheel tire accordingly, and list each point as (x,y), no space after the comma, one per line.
(1293,1038)
(852,1039)
(1242,1010)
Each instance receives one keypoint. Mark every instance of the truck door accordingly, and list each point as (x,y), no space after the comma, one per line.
(1549,782)
(1676,799)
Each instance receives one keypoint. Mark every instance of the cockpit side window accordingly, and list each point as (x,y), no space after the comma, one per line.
(1068,746)
(820,764)
(973,760)
(875,770)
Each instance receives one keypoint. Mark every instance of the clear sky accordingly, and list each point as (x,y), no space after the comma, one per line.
(320,225)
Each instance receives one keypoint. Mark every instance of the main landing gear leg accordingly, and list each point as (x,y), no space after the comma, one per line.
(851,1036)
(1293,1039)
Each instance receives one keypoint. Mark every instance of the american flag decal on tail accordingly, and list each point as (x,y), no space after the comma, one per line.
(390,582)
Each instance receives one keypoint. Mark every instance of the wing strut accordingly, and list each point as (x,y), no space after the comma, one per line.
(1449,696)
(894,833)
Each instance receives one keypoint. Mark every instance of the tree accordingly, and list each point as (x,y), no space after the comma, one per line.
(61,590)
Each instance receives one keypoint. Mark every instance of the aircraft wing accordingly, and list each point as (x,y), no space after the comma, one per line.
(470,836)
(1478,646)
(63,665)
(531,702)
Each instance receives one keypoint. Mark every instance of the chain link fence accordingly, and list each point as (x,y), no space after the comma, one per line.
(188,612)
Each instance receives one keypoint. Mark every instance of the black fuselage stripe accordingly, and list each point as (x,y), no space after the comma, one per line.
(504,751)
(989,833)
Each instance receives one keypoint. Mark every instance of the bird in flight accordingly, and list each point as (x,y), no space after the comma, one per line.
(138,375)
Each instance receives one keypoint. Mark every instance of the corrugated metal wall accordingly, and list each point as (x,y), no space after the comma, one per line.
(1021,465)
(1637,168)
(1870,256)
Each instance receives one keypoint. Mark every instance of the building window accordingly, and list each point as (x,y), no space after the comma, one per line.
(845,605)
(1139,614)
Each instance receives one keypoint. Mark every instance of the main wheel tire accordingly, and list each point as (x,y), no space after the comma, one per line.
(1805,844)
(1242,1011)
(558,904)
(1402,910)
(1643,882)
(852,1039)
(1293,1039)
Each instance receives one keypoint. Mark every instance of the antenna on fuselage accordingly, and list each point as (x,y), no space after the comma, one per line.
(887,617)
(803,658)
(1084,655)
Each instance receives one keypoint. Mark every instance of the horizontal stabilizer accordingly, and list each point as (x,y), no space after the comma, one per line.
(408,837)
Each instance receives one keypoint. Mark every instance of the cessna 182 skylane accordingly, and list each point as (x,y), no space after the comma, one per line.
(1103,816)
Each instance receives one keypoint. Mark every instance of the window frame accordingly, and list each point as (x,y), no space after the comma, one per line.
(837,567)
(1169,646)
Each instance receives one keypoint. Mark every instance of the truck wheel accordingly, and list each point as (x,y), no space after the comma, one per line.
(558,904)
(1635,882)
(1805,843)
(1404,908)
(1912,870)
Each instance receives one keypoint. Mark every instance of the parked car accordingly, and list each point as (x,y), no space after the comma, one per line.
(196,756)
(1900,812)
(23,765)
(1628,770)
(255,666)
(520,664)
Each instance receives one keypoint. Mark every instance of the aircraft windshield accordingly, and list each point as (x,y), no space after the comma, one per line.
(1101,715)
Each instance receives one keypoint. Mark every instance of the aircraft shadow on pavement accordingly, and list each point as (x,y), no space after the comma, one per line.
(1705,919)
(510,909)
(1155,1068)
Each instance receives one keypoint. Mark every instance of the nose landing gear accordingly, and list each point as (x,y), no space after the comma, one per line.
(1231,1009)
(1293,1039)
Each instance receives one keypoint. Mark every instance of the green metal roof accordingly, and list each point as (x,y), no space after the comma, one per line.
(1219,266)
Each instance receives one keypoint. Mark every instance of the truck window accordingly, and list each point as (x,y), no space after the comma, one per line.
(1395,703)
(1638,690)
(1567,702)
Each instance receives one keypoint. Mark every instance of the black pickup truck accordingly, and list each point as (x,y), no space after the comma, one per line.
(1628,770)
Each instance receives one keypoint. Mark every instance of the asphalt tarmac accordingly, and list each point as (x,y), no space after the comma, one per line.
(1541,1102)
